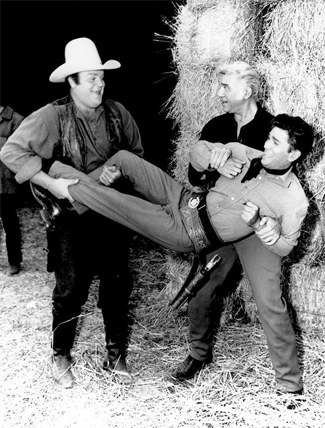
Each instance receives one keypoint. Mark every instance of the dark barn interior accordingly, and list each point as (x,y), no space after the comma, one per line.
(33,38)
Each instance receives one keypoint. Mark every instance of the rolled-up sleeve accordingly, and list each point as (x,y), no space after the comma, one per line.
(33,140)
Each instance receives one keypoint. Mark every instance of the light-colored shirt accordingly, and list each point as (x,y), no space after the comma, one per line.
(277,196)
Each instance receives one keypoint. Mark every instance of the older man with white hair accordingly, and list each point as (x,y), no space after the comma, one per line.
(83,131)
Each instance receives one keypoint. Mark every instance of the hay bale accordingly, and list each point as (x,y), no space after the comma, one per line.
(210,30)
(292,59)
(307,296)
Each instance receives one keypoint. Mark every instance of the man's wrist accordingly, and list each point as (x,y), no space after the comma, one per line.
(256,226)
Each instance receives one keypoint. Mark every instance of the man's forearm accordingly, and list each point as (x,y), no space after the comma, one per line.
(44,180)
(59,187)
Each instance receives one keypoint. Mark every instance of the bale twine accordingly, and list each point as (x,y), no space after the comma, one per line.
(206,33)
(292,63)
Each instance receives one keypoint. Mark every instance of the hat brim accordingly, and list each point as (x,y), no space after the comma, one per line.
(61,73)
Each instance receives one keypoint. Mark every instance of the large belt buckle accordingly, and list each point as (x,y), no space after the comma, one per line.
(194,202)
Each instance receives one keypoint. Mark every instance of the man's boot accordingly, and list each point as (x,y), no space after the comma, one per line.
(187,369)
(114,363)
(61,370)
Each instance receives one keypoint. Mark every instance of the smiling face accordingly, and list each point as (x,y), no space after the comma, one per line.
(233,92)
(278,154)
(88,93)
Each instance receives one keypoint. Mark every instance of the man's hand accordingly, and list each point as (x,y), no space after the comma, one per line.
(109,175)
(270,232)
(219,156)
(251,215)
(231,168)
(59,187)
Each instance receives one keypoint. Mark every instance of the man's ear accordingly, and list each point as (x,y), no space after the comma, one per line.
(71,82)
(294,155)
(248,92)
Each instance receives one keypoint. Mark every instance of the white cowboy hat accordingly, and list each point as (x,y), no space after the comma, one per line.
(81,55)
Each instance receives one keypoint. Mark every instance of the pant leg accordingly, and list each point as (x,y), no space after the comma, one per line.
(157,216)
(74,269)
(263,269)
(11,225)
(115,286)
(202,307)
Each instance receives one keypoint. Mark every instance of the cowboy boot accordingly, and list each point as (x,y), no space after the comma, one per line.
(50,205)
(115,364)
(61,370)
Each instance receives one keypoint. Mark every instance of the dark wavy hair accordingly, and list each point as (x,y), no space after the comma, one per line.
(301,134)
(74,77)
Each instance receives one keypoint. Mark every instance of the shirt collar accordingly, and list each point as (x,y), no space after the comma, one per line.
(79,113)
(284,180)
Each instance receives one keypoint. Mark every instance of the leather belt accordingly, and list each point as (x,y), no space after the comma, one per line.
(197,223)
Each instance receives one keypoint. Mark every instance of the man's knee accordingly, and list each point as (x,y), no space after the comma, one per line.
(121,157)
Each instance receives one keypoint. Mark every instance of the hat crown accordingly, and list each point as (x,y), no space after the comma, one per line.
(81,55)
(82,50)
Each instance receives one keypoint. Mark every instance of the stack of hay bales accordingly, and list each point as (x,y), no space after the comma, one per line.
(292,62)
(286,46)
(206,34)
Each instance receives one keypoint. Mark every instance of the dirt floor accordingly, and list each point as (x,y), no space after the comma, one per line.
(236,390)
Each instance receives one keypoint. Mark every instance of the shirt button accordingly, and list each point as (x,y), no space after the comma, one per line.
(260,178)
(232,198)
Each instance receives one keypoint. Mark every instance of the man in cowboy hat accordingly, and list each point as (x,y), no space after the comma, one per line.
(82,131)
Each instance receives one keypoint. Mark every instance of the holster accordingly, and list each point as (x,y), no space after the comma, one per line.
(192,223)
(195,280)
(200,270)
